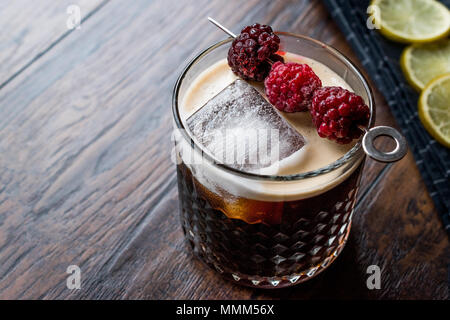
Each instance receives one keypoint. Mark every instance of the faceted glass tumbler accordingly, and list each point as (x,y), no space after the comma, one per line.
(258,242)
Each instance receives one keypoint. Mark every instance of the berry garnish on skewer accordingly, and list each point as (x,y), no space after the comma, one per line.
(290,86)
(339,114)
(251,50)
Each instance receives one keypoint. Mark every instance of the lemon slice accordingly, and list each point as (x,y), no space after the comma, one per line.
(411,21)
(422,63)
(434,109)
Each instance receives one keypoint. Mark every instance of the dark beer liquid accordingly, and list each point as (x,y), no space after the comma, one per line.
(261,243)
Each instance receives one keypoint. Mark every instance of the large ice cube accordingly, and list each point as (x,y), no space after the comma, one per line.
(240,128)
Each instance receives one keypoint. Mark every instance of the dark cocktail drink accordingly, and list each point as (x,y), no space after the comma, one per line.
(265,225)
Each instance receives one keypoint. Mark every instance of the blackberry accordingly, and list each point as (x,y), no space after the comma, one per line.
(249,53)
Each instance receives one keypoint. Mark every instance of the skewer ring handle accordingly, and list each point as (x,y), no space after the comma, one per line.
(399,151)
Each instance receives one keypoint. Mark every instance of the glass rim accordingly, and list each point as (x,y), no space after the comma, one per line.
(255,176)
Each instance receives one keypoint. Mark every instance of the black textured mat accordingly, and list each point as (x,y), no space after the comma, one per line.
(380,57)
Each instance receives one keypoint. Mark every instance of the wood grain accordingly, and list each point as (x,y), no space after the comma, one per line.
(86,176)
(29,30)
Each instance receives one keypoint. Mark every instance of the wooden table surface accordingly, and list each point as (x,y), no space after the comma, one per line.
(85,171)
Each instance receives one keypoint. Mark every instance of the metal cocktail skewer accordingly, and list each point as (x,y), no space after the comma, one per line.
(369,134)
(221,27)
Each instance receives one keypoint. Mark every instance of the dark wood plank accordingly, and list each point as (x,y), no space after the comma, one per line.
(29,30)
(86,176)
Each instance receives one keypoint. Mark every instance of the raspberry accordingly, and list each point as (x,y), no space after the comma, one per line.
(337,113)
(289,87)
(249,52)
